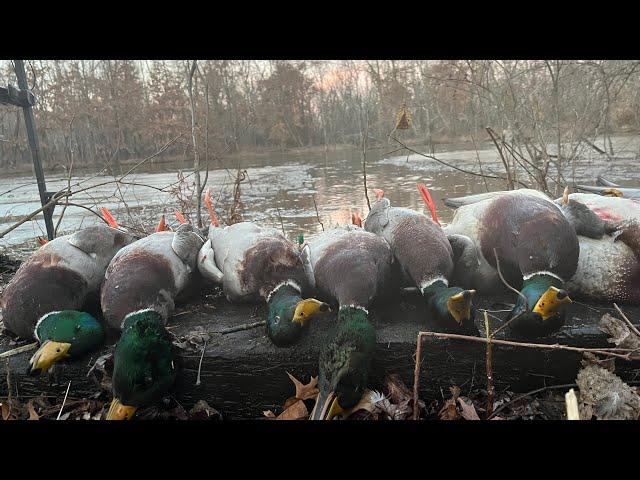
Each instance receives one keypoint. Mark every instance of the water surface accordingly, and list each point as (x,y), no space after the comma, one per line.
(281,188)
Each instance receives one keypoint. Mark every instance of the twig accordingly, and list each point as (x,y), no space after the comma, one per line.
(317,214)
(475,146)
(468,172)
(453,336)
(364,162)
(50,203)
(504,325)
(502,157)
(281,222)
(518,292)
(416,376)
(64,400)
(245,326)
(489,366)
(9,389)
(635,330)
(543,346)
(16,351)
(528,394)
(63,194)
(204,348)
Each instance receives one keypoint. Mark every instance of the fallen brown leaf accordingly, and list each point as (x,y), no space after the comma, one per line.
(202,411)
(290,401)
(32,411)
(468,410)
(6,410)
(449,411)
(305,392)
(398,391)
(297,411)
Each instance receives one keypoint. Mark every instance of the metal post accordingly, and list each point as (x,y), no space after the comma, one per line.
(30,124)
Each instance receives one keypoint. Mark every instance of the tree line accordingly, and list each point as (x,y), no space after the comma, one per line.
(103,112)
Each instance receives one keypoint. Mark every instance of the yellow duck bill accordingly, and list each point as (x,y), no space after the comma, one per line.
(459,305)
(308,308)
(551,302)
(327,407)
(118,411)
(49,353)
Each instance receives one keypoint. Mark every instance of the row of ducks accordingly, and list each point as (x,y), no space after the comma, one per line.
(585,244)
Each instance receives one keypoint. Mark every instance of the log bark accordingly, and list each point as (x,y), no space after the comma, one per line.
(243,373)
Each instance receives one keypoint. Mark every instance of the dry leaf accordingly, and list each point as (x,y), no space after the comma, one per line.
(621,335)
(449,411)
(297,411)
(32,412)
(305,392)
(6,410)
(606,396)
(468,410)
(202,411)
(398,391)
(608,363)
(269,414)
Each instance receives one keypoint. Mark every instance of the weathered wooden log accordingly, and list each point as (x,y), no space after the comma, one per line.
(243,373)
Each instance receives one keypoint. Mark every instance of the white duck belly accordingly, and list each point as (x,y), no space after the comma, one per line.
(605,268)
(233,249)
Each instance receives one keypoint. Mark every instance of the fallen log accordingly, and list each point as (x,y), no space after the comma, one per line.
(242,373)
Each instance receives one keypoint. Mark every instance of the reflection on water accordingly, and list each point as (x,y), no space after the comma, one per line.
(281,187)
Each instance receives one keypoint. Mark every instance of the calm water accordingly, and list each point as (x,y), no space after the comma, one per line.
(280,188)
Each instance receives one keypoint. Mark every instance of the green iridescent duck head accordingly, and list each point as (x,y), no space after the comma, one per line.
(289,314)
(545,308)
(344,364)
(143,369)
(64,334)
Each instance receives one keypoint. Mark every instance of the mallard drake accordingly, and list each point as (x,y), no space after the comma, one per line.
(352,267)
(68,333)
(537,249)
(426,257)
(609,237)
(150,273)
(255,264)
(54,284)
(143,364)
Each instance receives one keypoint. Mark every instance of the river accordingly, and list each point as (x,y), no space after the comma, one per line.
(280,188)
